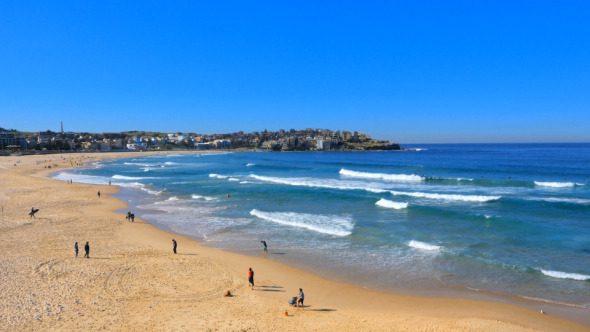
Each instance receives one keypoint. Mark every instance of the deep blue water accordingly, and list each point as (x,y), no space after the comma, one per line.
(506,218)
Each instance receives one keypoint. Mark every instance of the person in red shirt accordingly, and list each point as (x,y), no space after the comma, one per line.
(251,278)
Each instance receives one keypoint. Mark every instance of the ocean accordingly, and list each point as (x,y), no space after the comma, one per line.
(501,218)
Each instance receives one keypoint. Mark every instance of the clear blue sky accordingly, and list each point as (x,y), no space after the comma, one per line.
(407,71)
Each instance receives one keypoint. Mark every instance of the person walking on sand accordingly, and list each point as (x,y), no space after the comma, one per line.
(264,246)
(76,249)
(87,250)
(174,245)
(251,278)
(301,298)
(98,194)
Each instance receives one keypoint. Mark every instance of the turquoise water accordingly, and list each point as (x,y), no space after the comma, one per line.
(507,218)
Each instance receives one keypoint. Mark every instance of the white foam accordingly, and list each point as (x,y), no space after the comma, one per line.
(153,192)
(139,164)
(326,224)
(212,175)
(423,246)
(123,177)
(565,275)
(246,182)
(381,176)
(448,197)
(555,184)
(250,164)
(130,184)
(173,198)
(170,163)
(80,178)
(561,200)
(206,198)
(233,179)
(321,183)
(391,205)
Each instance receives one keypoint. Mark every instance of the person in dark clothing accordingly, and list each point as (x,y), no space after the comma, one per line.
(33,211)
(87,250)
(301,298)
(251,278)
(174,245)
(98,194)
(76,249)
(264,246)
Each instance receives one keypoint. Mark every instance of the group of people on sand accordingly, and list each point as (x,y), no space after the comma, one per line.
(130,216)
(86,249)
(294,301)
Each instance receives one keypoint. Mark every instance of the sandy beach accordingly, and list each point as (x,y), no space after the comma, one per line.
(133,282)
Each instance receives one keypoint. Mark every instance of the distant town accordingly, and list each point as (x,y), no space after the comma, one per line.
(283,140)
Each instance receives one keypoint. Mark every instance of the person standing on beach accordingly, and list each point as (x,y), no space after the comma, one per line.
(264,246)
(251,278)
(87,250)
(76,249)
(174,245)
(98,194)
(301,298)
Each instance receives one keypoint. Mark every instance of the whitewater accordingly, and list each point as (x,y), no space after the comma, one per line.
(508,218)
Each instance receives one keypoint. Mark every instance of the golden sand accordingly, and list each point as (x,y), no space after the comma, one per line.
(133,282)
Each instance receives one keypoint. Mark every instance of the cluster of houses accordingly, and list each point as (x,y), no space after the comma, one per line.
(282,140)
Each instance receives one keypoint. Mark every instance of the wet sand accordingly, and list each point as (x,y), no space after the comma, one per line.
(132,280)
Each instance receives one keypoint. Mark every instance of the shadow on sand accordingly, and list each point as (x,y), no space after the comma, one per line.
(319,310)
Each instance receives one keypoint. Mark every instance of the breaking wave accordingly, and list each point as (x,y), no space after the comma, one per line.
(555,184)
(326,224)
(423,245)
(381,176)
(561,200)
(565,275)
(123,177)
(448,197)
(201,197)
(321,183)
(391,204)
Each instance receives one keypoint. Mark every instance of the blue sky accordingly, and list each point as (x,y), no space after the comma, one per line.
(410,72)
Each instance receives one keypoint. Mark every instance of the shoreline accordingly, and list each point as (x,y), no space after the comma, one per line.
(332,304)
(134,197)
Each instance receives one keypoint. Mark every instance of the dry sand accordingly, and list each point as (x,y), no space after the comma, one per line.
(133,282)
